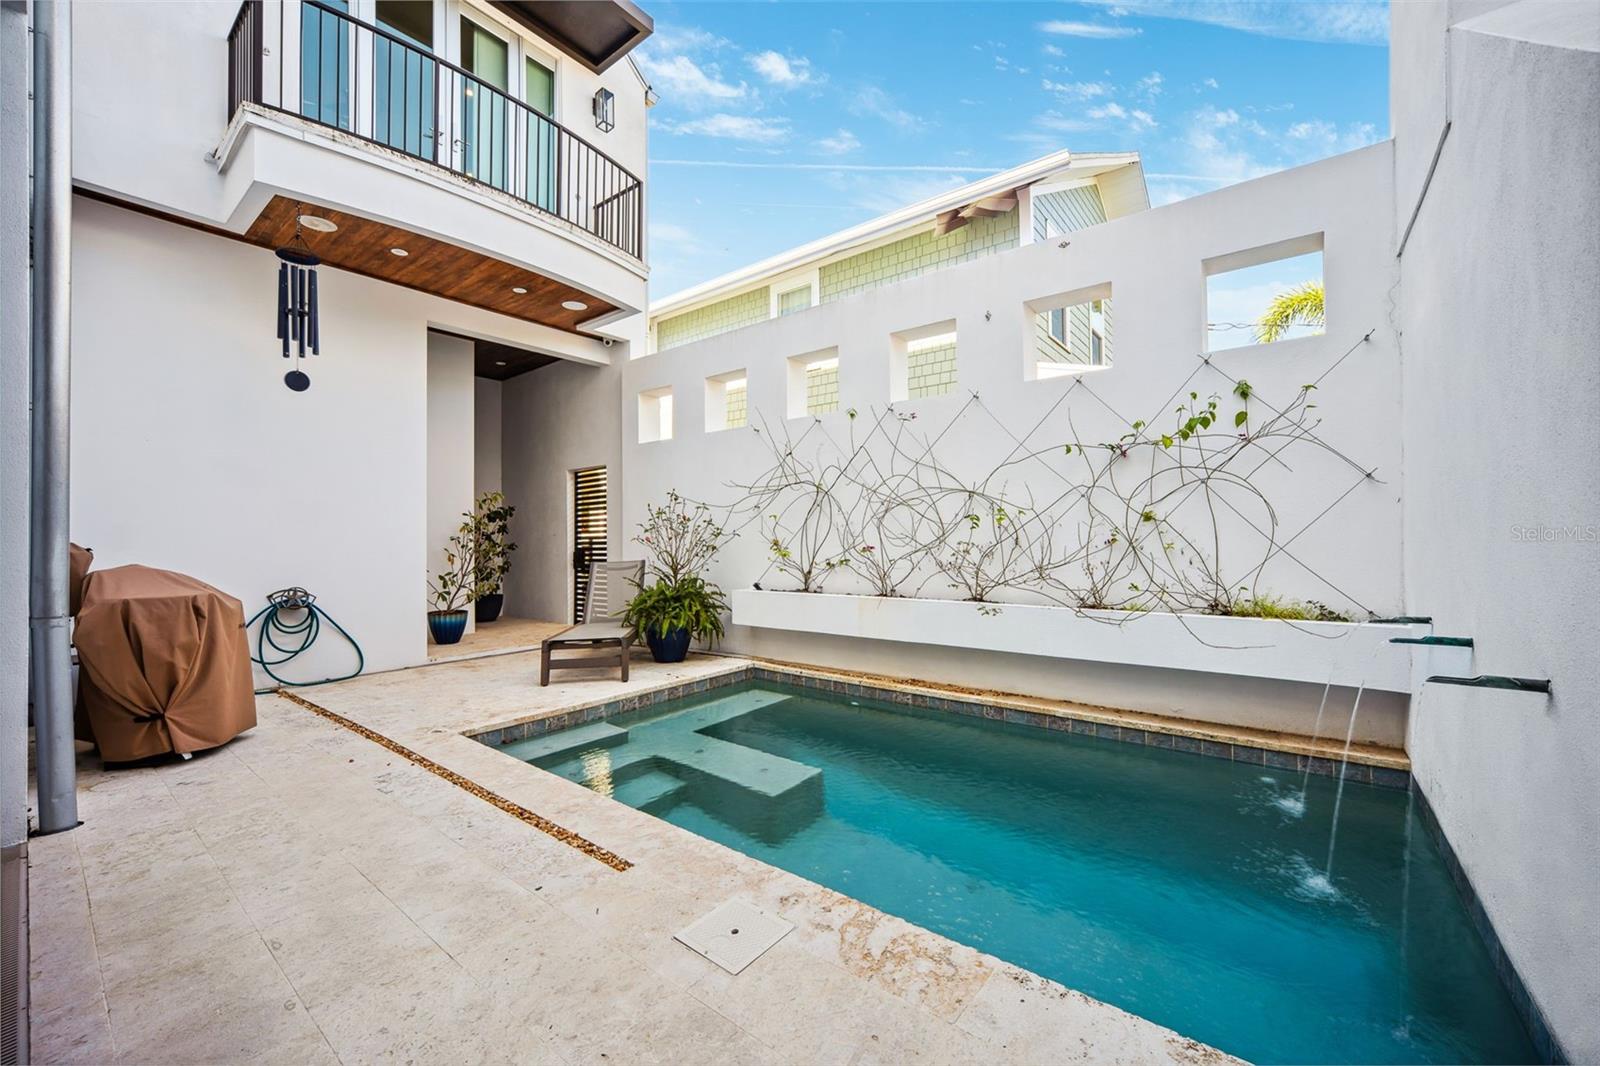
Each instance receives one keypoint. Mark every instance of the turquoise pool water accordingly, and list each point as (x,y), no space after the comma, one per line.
(1187,890)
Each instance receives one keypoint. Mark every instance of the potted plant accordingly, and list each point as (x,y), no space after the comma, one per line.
(451,590)
(491,553)
(680,605)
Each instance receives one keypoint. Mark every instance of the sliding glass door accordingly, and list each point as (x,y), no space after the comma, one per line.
(540,138)
(326,60)
(484,104)
(406,78)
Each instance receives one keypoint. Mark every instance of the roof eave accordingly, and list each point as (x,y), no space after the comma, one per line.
(753,276)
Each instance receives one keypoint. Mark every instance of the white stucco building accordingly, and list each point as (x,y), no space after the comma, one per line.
(486,323)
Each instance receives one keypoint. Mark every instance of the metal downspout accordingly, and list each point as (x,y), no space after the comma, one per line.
(49,644)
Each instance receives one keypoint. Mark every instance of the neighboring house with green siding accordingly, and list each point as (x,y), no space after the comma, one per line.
(1042,200)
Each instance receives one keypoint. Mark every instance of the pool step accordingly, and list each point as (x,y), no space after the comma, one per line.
(649,789)
(566,742)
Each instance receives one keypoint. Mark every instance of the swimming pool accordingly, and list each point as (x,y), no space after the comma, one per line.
(1187,890)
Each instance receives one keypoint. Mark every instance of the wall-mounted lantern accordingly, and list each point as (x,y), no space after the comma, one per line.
(605,106)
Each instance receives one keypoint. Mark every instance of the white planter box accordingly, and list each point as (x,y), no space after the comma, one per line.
(1314,652)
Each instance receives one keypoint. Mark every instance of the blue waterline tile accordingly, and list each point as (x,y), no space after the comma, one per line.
(1280,760)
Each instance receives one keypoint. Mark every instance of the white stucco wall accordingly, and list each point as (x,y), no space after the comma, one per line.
(1153,263)
(452,443)
(1499,306)
(14,377)
(486,436)
(190,454)
(557,419)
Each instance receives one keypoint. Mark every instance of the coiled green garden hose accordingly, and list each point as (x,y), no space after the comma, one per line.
(305,629)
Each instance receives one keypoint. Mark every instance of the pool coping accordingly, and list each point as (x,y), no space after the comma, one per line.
(1367,764)
(989,999)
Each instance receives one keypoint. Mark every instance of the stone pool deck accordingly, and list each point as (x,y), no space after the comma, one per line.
(307,894)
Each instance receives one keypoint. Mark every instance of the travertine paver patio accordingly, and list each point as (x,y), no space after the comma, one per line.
(307,895)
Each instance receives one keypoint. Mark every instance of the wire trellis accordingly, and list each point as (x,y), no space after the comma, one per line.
(1147,521)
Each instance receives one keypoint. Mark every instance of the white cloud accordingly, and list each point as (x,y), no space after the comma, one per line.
(874,102)
(879,194)
(1094,30)
(1210,83)
(1053,50)
(1138,121)
(1327,21)
(1223,147)
(746,128)
(1149,86)
(1076,90)
(840,143)
(680,80)
(670,40)
(783,71)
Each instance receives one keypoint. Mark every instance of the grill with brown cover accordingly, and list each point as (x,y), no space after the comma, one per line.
(163,664)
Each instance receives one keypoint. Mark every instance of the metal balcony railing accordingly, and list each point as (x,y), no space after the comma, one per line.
(375,84)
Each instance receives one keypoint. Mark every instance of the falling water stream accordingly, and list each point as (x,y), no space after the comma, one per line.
(1338,794)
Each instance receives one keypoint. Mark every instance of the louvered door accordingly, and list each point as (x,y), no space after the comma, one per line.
(588,533)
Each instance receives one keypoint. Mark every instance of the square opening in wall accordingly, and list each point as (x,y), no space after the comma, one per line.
(922,361)
(1069,334)
(813,383)
(1264,295)
(655,415)
(727,404)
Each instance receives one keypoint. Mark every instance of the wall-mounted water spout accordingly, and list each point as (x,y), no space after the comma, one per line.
(1405,620)
(1513,684)
(1434,642)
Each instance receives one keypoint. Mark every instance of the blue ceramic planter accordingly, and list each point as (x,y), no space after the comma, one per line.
(672,648)
(447,626)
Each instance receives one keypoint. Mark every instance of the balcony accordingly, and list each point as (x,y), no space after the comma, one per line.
(323,66)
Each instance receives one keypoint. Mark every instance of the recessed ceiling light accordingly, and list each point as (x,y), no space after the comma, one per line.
(401,252)
(574,305)
(499,362)
(519,290)
(318,223)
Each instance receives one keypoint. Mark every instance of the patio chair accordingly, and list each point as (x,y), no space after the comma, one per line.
(600,638)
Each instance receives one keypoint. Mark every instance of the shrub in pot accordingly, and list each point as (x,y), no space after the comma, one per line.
(451,590)
(491,554)
(680,605)
(669,613)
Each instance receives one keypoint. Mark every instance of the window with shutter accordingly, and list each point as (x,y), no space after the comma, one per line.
(588,533)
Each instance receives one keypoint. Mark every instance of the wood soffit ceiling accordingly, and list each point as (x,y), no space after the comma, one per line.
(502,362)
(362,246)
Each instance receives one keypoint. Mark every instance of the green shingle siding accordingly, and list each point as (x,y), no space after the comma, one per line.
(738,413)
(931,371)
(916,254)
(708,321)
(1054,214)
(1068,210)
(822,389)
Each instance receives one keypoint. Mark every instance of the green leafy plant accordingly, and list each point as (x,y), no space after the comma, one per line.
(682,539)
(690,603)
(453,588)
(1299,306)
(1266,606)
(490,524)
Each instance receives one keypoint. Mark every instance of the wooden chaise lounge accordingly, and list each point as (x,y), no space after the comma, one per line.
(599,639)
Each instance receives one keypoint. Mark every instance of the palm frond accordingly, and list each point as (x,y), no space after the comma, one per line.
(1299,306)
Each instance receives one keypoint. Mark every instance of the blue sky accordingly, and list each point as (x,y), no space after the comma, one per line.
(782,122)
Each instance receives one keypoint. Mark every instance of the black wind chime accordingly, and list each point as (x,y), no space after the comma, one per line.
(297,307)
